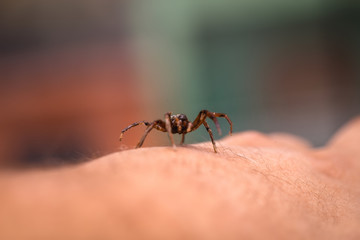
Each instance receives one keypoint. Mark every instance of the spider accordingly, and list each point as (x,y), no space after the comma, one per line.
(180,124)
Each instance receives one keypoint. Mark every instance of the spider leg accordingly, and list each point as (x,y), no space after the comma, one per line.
(198,121)
(168,128)
(210,133)
(213,116)
(182,138)
(226,117)
(148,129)
(131,126)
(160,125)
(201,117)
(214,119)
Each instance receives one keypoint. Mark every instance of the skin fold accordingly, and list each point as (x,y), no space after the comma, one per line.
(256,187)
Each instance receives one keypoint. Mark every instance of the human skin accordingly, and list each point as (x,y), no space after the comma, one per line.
(257,187)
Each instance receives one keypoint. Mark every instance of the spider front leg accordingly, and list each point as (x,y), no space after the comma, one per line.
(200,119)
(213,116)
(182,139)
(168,128)
(210,133)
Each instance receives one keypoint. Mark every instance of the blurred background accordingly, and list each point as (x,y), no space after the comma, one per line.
(74,73)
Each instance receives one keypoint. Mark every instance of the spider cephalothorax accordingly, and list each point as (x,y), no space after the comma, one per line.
(180,124)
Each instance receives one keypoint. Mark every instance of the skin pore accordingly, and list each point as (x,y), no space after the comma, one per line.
(256,187)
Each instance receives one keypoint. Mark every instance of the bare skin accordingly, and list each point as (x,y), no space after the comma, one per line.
(256,187)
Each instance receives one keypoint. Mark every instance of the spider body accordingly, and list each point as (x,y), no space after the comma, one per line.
(180,124)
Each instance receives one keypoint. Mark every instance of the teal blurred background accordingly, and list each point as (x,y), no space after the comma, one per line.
(74,73)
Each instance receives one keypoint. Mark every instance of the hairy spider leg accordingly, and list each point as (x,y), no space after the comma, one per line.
(158,124)
(198,121)
(182,139)
(179,128)
(214,119)
(131,126)
(226,117)
(168,127)
(201,117)
(210,133)
(212,115)
(148,129)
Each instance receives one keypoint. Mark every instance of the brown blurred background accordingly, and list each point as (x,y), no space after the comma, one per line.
(74,73)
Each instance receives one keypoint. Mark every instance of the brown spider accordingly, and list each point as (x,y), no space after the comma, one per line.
(181,125)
